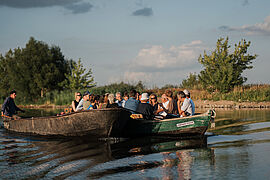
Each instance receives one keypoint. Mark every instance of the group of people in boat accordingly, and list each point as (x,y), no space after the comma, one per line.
(145,104)
(171,106)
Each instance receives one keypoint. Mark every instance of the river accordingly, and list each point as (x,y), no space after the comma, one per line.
(238,148)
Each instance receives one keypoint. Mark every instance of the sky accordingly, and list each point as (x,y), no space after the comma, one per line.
(157,42)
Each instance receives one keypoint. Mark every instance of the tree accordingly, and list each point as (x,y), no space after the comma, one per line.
(78,79)
(33,70)
(222,69)
(192,82)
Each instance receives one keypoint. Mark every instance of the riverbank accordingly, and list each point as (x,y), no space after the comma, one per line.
(198,104)
(231,104)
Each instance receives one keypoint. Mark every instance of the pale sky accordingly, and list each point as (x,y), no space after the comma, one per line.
(155,41)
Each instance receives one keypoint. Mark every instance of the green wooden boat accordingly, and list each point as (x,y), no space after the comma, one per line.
(181,127)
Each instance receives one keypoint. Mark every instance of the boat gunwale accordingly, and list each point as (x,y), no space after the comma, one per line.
(174,119)
(65,115)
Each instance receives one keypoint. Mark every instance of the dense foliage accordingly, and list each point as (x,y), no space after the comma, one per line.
(79,78)
(222,69)
(192,82)
(34,70)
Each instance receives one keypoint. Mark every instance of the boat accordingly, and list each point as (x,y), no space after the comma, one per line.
(98,122)
(181,127)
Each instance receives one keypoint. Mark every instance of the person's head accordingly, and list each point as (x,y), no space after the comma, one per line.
(96,99)
(144,98)
(169,93)
(187,93)
(132,93)
(153,98)
(118,96)
(86,95)
(78,95)
(13,94)
(164,98)
(181,96)
(125,96)
(111,98)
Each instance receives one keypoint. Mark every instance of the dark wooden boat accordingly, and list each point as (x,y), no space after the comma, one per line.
(97,122)
(182,127)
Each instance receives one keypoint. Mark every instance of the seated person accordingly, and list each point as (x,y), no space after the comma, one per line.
(153,101)
(172,106)
(132,104)
(119,99)
(187,93)
(92,104)
(145,108)
(111,103)
(75,102)
(185,109)
(84,103)
(125,98)
(163,106)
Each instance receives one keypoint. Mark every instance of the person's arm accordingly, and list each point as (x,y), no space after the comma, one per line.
(179,109)
(19,109)
(73,106)
(80,106)
(4,106)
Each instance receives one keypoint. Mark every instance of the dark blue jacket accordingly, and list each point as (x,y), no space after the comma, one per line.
(9,108)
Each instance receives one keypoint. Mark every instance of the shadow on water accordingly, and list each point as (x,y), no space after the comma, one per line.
(39,157)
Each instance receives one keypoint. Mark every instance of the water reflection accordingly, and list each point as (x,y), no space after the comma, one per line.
(238,150)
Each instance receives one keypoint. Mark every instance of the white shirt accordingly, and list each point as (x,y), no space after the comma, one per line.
(187,107)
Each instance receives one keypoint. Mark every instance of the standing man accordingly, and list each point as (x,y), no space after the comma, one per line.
(9,107)
(187,93)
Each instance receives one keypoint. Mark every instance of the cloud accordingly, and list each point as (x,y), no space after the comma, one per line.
(143,12)
(79,8)
(245,3)
(256,29)
(160,65)
(158,58)
(75,6)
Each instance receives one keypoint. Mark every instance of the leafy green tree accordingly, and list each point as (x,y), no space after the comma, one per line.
(222,69)
(192,82)
(79,78)
(33,70)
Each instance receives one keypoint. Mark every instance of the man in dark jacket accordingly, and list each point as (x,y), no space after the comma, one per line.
(9,107)
(146,109)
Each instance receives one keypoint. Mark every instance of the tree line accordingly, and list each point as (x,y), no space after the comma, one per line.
(39,68)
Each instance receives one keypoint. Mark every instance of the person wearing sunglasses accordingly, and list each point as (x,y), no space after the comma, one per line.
(74,104)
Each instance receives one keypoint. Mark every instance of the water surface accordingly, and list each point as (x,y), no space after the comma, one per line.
(239,149)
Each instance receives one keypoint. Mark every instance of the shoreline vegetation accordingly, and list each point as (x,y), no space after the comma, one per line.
(242,97)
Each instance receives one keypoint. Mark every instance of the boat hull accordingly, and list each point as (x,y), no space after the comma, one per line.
(186,126)
(100,123)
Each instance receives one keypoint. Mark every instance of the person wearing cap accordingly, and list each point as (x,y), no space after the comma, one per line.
(187,93)
(185,109)
(145,108)
(84,103)
(9,107)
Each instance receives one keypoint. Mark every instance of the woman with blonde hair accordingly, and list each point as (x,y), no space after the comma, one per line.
(75,102)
